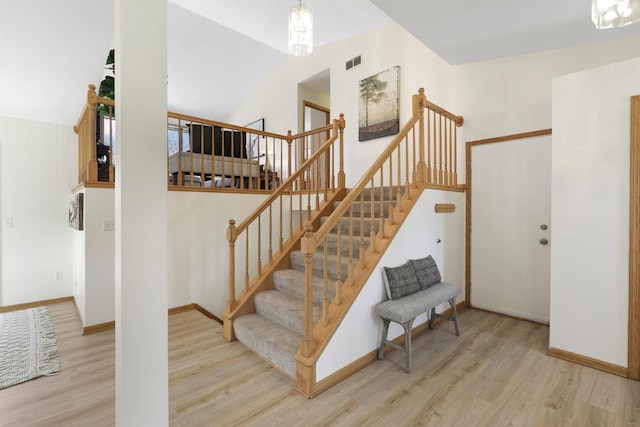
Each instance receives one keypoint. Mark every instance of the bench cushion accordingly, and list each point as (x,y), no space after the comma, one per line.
(400,281)
(426,271)
(409,307)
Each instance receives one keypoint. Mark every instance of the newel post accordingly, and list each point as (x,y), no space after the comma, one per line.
(289,142)
(308,247)
(231,237)
(341,176)
(227,329)
(418,110)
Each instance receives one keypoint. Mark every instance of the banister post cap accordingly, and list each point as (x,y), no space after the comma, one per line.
(92,97)
(231,231)
(308,241)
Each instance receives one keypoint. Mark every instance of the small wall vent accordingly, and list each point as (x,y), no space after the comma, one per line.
(353,62)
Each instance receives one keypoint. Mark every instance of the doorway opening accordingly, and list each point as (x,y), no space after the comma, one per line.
(314,112)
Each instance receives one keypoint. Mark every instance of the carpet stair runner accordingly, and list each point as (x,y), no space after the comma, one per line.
(276,329)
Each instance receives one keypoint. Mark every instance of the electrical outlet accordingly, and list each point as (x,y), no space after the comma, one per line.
(109,225)
(59,276)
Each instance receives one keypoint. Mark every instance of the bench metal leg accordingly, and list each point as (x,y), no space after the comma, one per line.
(407,343)
(432,318)
(383,339)
(454,310)
(454,316)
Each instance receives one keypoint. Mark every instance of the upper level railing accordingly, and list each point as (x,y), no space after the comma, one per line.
(424,152)
(202,154)
(92,151)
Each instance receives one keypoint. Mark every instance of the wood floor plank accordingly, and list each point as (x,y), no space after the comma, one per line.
(495,374)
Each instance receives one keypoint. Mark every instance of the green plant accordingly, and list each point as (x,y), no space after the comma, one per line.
(108,85)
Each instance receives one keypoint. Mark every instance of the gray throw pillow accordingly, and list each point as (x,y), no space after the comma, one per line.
(426,271)
(400,281)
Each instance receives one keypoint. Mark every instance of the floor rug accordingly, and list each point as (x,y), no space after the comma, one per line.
(28,347)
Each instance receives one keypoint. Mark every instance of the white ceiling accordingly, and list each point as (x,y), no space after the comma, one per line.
(462,31)
(50,51)
(267,20)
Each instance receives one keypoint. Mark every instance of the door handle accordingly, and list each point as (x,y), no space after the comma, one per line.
(544,241)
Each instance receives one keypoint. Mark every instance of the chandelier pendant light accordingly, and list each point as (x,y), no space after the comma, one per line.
(614,13)
(300,30)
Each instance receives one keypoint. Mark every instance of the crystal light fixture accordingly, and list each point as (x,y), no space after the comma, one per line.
(300,30)
(615,13)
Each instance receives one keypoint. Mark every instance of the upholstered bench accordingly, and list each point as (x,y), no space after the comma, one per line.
(413,288)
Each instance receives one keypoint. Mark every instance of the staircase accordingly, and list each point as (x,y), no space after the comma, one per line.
(303,270)
(276,329)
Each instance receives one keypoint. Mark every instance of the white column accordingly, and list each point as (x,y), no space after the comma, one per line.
(141,213)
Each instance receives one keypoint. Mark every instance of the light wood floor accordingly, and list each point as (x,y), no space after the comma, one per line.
(494,374)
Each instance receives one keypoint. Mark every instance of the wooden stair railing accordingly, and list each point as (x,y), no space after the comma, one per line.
(276,226)
(240,159)
(423,154)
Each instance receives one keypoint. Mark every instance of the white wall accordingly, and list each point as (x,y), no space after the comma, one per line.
(94,256)
(497,97)
(198,248)
(360,331)
(513,95)
(277,98)
(198,259)
(590,211)
(79,269)
(38,169)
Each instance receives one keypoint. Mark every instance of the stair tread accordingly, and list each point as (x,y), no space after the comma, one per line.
(291,283)
(332,243)
(297,263)
(273,342)
(284,310)
(376,192)
(356,224)
(365,208)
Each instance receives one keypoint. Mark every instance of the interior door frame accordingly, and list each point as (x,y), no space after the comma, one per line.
(327,120)
(469,146)
(633,368)
(313,106)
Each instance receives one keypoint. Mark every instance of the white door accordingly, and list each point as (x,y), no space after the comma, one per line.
(510,229)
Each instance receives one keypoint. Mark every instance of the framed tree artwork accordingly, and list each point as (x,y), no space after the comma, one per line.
(378,112)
